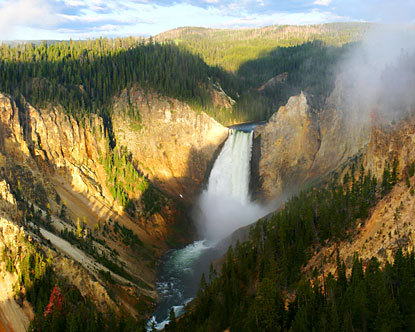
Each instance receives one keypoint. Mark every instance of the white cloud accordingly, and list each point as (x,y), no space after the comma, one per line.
(322,2)
(26,13)
(64,19)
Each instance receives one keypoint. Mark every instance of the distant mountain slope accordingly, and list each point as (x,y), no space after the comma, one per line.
(273,63)
(230,48)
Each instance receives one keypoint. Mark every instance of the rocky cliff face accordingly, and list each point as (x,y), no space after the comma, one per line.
(300,144)
(51,141)
(389,142)
(288,145)
(51,162)
(174,145)
(53,182)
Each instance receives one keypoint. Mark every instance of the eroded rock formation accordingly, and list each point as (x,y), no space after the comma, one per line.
(300,144)
(54,163)
(173,144)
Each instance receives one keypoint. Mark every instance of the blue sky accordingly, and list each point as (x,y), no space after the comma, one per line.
(80,19)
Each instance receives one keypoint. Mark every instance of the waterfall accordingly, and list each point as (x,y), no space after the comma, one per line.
(225,204)
(231,172)
(223,207)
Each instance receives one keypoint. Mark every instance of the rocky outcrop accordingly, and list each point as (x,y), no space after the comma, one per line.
(274,81)
(173,144)
(289,142)
(390,142)
(7,200)
(49,140)
(219,97)
(12,140)
(60,140)
(299,144)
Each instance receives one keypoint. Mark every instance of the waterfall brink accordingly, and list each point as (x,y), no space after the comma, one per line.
(225,204)
(231,172)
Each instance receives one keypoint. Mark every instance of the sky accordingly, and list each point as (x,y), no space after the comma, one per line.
(81,19)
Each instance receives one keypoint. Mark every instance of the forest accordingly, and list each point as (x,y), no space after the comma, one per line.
(231,48)
(57,304)
(84,76)
(252,290)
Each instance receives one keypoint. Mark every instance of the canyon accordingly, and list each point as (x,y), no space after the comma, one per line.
(106,197)
(55,163)
(59,162)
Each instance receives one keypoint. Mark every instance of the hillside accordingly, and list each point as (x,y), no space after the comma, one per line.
(231,48)
(268,65)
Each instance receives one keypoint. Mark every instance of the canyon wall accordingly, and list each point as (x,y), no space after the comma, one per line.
(390,225)
(174,146)
(389,142)
(299,144)
(55,170)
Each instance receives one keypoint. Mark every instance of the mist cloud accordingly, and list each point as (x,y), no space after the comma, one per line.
(378,76)
(219,215)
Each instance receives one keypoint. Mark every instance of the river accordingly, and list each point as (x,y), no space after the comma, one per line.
(224,206)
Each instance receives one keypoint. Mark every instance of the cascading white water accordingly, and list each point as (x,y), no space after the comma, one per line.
(231,172)
(222,208)
(225,204)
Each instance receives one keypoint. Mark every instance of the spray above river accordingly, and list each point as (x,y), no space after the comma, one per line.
(223,207)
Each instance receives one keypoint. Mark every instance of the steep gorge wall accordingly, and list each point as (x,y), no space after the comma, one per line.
(389,142)
(53,161)
(173,144)
(50,141)
(300,144)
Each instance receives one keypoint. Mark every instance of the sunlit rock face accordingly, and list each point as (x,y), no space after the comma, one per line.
(51,159)
(390,142)
(289,142)
(49,140)
(299,144)
(174,145)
